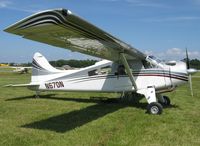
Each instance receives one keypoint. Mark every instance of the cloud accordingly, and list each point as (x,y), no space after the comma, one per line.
(4,4)
(145,3)
(171,19)
(197,2)
(24,9)
(182,52)
(174,54)
(139,3)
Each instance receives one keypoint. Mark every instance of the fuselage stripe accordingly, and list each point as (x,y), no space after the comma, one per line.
(82,79)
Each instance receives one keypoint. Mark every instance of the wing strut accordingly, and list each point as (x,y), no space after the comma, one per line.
(129,72)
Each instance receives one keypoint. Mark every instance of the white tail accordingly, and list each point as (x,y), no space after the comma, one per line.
(41,68)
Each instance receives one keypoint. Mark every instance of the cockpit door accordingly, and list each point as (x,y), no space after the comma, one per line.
(167,77)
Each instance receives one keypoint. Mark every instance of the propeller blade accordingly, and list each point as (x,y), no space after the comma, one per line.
(190,71)
(190,84)
(187,60)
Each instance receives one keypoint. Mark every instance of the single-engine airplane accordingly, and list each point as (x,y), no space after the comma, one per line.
(130,70)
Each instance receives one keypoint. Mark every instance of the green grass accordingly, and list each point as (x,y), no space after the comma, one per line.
(63,118)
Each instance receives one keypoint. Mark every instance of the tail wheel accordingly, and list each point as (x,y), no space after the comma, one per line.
(154,108)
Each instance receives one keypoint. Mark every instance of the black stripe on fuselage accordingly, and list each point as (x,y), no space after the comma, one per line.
(161,74)
(82,79)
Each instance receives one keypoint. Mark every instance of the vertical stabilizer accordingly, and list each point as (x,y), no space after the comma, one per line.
(41,67)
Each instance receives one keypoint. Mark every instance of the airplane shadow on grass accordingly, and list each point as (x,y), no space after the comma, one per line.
(69,121)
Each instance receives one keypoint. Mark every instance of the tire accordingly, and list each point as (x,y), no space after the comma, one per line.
(154,108)
(167,101)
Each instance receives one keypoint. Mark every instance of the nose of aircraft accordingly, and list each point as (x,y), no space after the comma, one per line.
(190,71)
(180,67)
(184,67)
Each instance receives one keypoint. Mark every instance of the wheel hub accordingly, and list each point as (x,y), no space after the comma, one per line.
(154,109)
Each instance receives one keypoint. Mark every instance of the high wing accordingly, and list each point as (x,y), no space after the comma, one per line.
(63,29)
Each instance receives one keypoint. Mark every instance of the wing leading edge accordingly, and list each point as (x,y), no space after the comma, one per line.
(63,29)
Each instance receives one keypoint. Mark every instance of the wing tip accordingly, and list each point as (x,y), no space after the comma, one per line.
(11,28)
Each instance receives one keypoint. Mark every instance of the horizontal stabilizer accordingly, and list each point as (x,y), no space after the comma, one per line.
(29,86)
(19,85)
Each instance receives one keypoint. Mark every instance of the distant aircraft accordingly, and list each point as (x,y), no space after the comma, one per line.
(130,70)
(4,65)
(20,69)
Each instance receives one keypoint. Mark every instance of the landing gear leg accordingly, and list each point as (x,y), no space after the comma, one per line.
(153,107)
(122,95)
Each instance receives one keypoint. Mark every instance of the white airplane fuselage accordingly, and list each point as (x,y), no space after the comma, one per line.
(92,79)
(111,83)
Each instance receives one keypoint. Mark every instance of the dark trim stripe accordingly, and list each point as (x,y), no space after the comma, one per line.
(161,74)
(36,65)
(97,78)
(63,23)
(159,71)
(47,14)
(49,18)
(41,23)
(82,79)
(60,19)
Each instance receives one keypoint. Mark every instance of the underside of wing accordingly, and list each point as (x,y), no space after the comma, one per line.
(63,29)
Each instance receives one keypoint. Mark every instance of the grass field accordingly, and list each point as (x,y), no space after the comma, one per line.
(62,118)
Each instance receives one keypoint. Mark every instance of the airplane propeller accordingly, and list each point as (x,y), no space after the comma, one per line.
(190,71)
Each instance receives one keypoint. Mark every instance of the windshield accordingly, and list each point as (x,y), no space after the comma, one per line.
(156,59)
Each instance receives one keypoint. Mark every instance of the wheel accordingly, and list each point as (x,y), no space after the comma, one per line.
(154,108)
(167,101)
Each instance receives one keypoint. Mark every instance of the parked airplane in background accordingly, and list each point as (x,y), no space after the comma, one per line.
(20,69)
(4,65)
(17,69)
(129,70)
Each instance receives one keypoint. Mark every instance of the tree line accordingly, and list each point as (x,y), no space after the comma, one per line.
(195,63)
(73,63)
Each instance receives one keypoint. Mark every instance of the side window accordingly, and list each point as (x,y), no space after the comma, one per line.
(92,72)
(100,71)
(105,70)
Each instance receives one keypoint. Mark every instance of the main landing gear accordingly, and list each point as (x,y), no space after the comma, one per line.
(154,107)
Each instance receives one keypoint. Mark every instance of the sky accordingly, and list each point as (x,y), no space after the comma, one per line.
(157,27)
